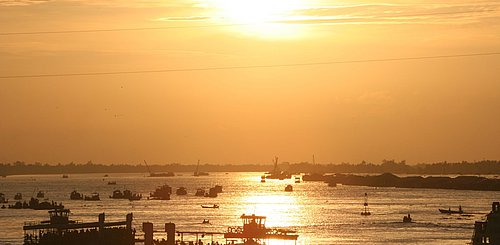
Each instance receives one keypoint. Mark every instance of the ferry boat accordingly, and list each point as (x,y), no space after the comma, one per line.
(59,229)
(488,232)
(255,232)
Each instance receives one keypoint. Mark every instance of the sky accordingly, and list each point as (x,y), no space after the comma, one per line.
(252,103)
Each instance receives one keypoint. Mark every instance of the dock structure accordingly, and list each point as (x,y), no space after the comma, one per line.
(253,232)
(488,232)
(60,230)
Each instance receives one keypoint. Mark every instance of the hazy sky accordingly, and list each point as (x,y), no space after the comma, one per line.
(417,110)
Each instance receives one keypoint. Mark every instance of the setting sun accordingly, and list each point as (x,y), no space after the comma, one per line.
(259,17)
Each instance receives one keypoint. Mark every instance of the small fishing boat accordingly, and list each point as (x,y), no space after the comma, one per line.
(205,221)
(65,176)
(93,197)
(210,206)
(200,192)
(407,219)
(111,182)
(289,188)
(450,211)
(366,212)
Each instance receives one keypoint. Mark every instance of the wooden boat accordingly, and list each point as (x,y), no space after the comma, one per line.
(407,219)
(93,197)
(450,211)
(210,206)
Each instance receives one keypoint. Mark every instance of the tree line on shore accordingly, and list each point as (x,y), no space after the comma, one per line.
(386,166)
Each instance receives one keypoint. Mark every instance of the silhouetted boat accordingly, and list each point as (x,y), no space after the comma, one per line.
(205,221)
(65,176)
(3,199)
(111,182)
(18,196)
(210,206)
(365,204)
(212,192)
(407,219)
(40,194)
(93,197)
(200,192)
(289,188)
(75,196)
(450,211)
(255,232)
(151,174)
(197,172)
(161,193)
(181,191)
(60,230)
(277,173)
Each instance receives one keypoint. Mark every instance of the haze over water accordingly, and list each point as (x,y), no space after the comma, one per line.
(320,214)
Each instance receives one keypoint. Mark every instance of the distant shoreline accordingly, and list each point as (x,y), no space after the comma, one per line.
(486,167)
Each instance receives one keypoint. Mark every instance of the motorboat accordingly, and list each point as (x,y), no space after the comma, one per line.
(210,206)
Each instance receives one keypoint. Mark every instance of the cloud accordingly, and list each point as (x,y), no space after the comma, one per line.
(394,13)
(21,2)
(183,18)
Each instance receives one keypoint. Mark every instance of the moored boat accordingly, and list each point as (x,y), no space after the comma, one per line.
(181,191)
(161,193)
(210,206)
(93,197)
(289,188)
(75,195)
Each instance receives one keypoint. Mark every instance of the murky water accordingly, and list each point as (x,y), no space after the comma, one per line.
(320,214)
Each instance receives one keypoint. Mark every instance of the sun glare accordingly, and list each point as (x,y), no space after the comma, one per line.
(263,18)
